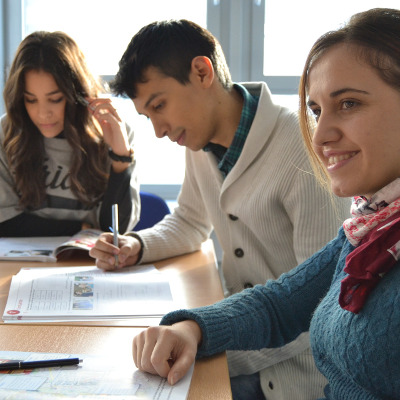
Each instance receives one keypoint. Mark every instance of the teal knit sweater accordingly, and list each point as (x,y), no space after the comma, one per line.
(358,353)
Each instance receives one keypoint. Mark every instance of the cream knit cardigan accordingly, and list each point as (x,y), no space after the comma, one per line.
(270,208)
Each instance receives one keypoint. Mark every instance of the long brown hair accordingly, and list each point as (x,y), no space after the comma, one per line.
(375,36)
(57,54)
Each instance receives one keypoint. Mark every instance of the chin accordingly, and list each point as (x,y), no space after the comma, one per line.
(340,191)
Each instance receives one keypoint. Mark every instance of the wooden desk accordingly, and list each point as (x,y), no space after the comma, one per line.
(195,278)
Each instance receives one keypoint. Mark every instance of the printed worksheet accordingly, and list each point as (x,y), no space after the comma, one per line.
(95,376)
(87,293)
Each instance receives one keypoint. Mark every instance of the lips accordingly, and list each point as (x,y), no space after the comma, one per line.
(180,139)
(47,126)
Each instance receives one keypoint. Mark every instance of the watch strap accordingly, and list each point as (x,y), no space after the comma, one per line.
(116,157)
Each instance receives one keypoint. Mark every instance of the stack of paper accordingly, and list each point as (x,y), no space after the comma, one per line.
(87,293)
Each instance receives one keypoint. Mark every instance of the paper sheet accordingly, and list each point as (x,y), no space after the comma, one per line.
(87,293)
(110,378)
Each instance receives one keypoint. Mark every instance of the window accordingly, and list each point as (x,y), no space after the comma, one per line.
(102,28)
(291,28)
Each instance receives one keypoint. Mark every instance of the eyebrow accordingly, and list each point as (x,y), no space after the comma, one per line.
(336,93)
(47,94)
(151,98)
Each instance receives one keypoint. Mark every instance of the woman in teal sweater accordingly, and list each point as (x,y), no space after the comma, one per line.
(347,294)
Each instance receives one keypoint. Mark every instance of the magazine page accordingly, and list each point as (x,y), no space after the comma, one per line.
(87,293)
(95,377)
(46,248)
(30,248)
(83,240)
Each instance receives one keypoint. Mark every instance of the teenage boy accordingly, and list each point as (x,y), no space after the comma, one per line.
(247,177)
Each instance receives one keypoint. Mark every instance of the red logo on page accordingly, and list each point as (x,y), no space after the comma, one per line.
(12,312)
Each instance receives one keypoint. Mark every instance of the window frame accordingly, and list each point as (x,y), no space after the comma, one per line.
(242,39)
(11,20)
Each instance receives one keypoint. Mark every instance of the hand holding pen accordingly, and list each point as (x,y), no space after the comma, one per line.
(105,252)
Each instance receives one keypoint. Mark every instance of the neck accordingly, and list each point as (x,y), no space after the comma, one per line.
(230,105)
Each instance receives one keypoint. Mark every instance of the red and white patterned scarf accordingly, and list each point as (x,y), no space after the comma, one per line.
(374,229)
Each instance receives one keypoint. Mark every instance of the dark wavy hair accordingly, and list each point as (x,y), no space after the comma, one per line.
(169,46)
(57,54)
(375,37)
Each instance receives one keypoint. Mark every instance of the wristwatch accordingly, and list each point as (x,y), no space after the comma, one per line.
(116,157)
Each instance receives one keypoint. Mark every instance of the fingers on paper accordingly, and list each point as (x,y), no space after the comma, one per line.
(160,351)
(143,347)
(180,367)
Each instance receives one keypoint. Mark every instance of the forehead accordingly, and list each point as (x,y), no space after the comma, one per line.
(39,81)
(154,85)
(340,66)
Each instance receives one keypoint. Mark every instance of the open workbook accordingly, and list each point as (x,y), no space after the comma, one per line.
(46,248)
(58,294)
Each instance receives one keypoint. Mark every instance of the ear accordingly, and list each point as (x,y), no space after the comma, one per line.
(203,70)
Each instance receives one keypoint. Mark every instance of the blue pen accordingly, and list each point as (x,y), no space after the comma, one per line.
(115,228)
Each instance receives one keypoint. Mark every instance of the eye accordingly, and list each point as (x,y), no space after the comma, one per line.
(347,104)
(56,101)
(159,106)
(30,101)
(316,112)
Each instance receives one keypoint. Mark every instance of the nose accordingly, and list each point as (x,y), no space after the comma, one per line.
(326,130)
(159,129)
(44,112)
(161,133)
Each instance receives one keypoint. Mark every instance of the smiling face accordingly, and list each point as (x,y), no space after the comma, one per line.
(44,102)
(357,136)
(183,113)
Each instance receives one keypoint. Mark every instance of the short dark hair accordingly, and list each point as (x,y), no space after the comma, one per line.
(169,46)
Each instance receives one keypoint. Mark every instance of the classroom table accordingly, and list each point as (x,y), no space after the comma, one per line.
(196,283)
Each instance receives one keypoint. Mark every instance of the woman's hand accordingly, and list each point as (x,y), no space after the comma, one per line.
(104,251)
(114,130)
(168,351)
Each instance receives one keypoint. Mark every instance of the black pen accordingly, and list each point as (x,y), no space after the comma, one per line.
(39,363)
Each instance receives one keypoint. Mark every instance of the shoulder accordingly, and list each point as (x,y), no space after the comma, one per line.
(126,112)
(3,120)
(270,115)
(129,128)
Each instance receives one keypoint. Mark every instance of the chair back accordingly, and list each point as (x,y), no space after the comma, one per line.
(153,209)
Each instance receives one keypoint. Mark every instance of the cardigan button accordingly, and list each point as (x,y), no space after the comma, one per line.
(233,217)
(271,385)
(239,253)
